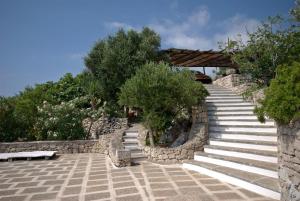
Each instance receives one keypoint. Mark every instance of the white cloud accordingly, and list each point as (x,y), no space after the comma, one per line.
(118,25)
(192,31)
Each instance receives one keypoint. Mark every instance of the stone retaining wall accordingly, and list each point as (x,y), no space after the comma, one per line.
(197,139)
(118,155)
(104,125)
(289,161)
(62,147)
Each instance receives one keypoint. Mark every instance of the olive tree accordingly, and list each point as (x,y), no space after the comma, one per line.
(161,93)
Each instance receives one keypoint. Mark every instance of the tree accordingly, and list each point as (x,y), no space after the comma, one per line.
(282,101)
(271,45)
(115,59)
(162,94)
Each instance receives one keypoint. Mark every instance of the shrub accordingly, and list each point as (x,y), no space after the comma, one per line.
(60,122)
(282,101)
(162,94)
(115,59)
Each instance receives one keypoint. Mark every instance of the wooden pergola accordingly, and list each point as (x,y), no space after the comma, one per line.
(197,58)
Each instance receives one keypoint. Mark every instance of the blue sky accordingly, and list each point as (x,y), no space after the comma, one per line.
(41,40)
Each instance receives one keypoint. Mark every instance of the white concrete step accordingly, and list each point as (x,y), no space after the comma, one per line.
(131,147)
(240,123)
(230,113)
(244,144)
(237,117)
(267,156)
(131,135)
(253,166)
(224,100)
(223,97)
(235,136)
(250,181)
(230,108)
(130,140)
(242,129)
(229,104)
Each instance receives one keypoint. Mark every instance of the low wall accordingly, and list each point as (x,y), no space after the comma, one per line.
(118,155)
(197,139)
(62,147)
(104,125)
(289,161)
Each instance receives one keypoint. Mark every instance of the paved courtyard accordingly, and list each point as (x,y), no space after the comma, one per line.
(92,177)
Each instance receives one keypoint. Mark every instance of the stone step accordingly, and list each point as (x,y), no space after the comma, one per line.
(230,108)
(236,100)
(254,166)
(130,140)
(131,135)
(262,185)
(229,104)
(223,97)
(230,113)
(235,117)
(266,137)
(242,129)
(261,155)
(131,147)
(245,144)
(241,123)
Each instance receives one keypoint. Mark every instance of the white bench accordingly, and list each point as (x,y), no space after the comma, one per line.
(28,155)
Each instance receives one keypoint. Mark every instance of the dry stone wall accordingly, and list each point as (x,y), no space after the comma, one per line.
(289,161)
(197,139)
(104,125)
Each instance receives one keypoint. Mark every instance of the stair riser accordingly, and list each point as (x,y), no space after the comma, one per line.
(238,166)
(235,181)
(130,135)
(242,118)
(229,104)
(131,147)
(237,108)
(240,123)
(223,97)
(245,137)
(239,100)
(241,129)
(229,113)
(242,155)
(243,145)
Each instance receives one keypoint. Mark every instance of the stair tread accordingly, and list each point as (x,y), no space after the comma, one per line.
(245,141)
(263,181)
(242,126)
(250,162)
(244,133)
(243,150)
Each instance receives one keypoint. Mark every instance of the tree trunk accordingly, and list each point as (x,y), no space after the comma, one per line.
(151,139)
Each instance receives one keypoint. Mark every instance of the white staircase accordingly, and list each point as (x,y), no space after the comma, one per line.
(130,142)
(241,150)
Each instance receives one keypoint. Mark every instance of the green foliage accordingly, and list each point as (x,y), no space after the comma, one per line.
(60,122)
(271,45)
(115,59)
(19,114)
(248,93)
(282,101)
(162,94)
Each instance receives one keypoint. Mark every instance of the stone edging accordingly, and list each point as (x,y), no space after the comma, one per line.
(197,139)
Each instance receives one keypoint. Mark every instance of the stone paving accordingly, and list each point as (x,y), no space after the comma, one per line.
(92,177)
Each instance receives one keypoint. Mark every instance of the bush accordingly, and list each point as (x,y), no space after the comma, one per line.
(282,101)
(162,94)
(115,59)
(60,122)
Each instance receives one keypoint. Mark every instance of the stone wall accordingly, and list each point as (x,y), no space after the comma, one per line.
(118,155)
(289,161)
(62,147)
(230,81)
(104,125)
(197,139)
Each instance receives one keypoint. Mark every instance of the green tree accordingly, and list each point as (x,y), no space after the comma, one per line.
(271,45)
(162,94)
(115,59)
(282,101)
